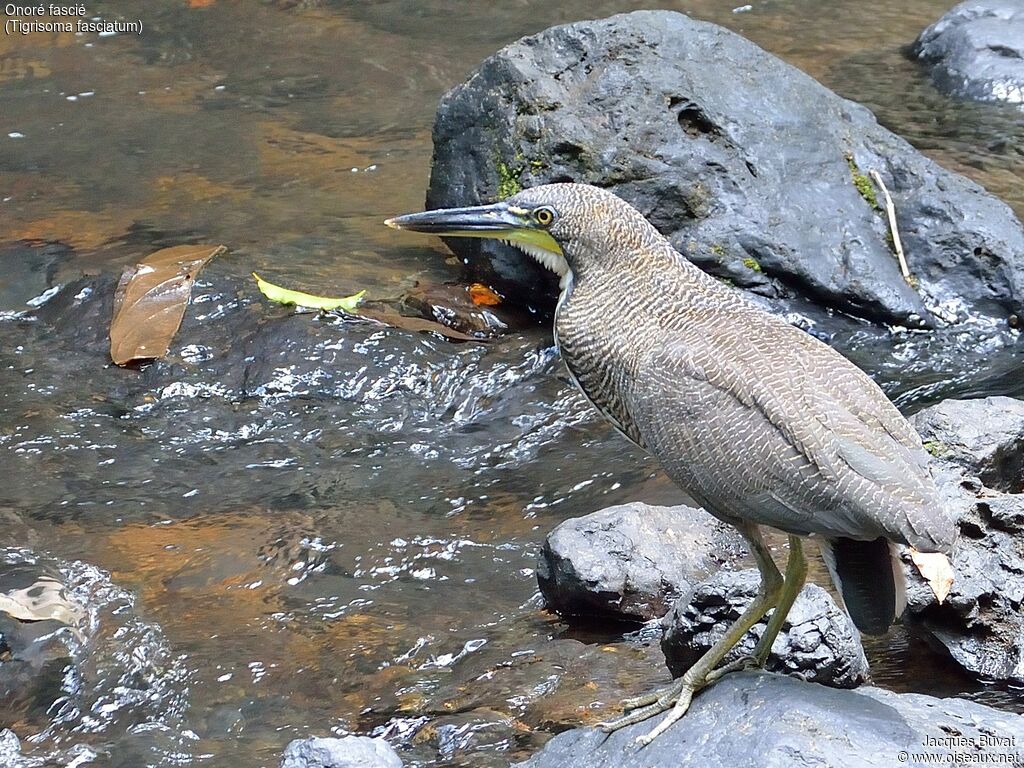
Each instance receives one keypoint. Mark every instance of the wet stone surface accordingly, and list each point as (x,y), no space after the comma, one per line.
(983,436)
(981,623)
(347,752)
(756,719)
(630,563)
(976,51)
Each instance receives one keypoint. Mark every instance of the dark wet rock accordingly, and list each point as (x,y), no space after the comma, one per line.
(976,50)
(279,388)
(630,562)
(452,305)
(984,436)
(981,622)
(347,752)
(762,720)
(753,170)
(818,642)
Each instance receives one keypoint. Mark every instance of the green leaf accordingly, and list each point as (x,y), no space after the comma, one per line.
(285,296)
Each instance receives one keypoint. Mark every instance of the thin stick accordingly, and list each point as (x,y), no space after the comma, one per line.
(890,212)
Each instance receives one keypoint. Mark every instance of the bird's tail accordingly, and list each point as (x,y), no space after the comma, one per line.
(870,580)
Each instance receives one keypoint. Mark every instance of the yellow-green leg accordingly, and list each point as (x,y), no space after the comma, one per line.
(678,695)
(796,576)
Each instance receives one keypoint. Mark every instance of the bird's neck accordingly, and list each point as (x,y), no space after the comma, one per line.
(642,265)
(627,291)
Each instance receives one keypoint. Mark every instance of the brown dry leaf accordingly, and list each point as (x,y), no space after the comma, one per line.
(483,296)
(935,568)
(200,3)
(397,320)
(150,301)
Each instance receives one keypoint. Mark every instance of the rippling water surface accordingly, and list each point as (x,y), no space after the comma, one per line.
(301,525)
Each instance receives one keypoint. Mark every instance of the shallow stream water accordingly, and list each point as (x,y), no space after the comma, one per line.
(344,548)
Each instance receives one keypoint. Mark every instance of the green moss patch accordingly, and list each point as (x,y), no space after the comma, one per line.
(862,183)
(508,181)
(937,448)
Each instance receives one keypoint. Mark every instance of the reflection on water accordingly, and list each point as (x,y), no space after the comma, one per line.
(300,525)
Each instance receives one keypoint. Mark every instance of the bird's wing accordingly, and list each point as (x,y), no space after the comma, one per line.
(782,427)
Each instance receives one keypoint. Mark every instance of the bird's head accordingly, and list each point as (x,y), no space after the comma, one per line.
(566,227)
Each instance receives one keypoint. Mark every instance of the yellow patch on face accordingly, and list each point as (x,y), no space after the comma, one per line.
(535,237)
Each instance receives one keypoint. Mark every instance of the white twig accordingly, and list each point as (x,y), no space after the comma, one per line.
(890,212)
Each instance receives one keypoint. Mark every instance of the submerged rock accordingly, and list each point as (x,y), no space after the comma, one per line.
(552,685)
(261,387)
(981,622)
(754,170)
(758,719)
(976,50)
(630,562)
(347,752)
(818,642)
(464,736)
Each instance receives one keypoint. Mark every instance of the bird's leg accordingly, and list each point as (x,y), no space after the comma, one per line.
(796,575)
(679,694)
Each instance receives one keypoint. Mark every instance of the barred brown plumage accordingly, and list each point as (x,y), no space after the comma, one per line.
(758,421)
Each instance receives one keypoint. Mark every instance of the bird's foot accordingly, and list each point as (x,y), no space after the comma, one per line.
(741,664)
(675,697)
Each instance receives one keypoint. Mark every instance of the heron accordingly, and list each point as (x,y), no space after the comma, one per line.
(762,424)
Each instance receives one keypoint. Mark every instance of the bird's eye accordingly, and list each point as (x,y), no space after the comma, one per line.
(544,216)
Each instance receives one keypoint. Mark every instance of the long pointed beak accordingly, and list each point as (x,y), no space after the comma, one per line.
(477,221)
(500,221)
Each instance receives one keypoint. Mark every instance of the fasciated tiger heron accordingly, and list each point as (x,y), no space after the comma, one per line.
(758,421)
